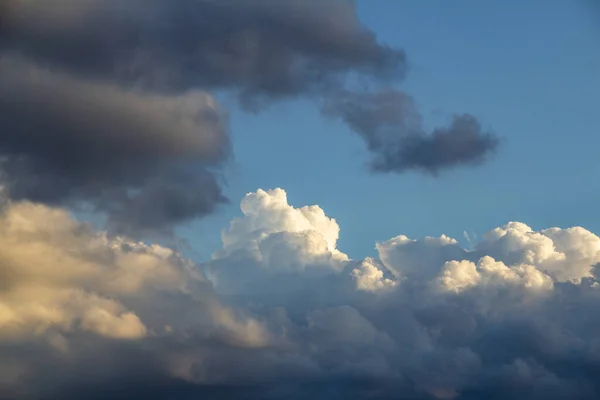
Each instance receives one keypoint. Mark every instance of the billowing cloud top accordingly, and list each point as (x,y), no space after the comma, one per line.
(280,312)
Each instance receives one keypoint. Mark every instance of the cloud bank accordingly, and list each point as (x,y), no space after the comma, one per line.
(107,104)
(281,312)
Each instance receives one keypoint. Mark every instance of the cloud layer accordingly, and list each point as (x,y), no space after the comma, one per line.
(280,312)
(104,103)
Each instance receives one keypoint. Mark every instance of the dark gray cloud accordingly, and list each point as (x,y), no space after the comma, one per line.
(262,48)
(100,102)
(104,107)
(143,158)
(390,124)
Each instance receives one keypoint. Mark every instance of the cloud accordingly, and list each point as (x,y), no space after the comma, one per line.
(103,102)
(70,295)
(118,120)
(263,48)
(272,244)
(60,276)
(136,137)
(84,313)
(391,126)
(144,159)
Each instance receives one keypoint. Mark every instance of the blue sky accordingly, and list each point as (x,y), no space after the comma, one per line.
(528,70)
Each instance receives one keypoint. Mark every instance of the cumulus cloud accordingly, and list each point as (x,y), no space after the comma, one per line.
(84,313)
(59,276)
(65,287)
(369,276)
(273,244)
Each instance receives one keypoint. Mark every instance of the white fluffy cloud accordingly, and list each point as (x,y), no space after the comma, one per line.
(275,240)
(565,254)
(268,213)
(369,276)
(514,317)
(461,275)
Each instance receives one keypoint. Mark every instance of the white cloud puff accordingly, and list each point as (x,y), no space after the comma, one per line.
(274,240)
(460,275)
(268,212)
(369,276)
(565,254)
(513,317)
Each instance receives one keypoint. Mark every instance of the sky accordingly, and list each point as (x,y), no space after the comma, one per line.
(292,199)
(527,70)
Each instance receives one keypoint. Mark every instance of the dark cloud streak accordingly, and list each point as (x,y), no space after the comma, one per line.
(390,124)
